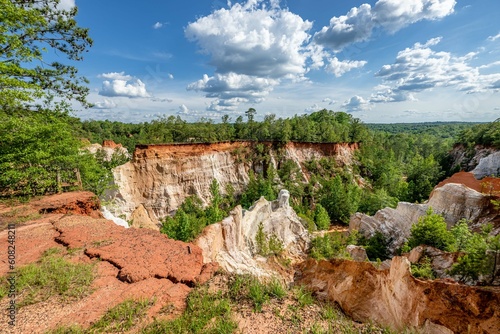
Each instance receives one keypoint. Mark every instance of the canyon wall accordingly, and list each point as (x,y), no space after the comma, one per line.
(460,196)
(393,298)
(160,177)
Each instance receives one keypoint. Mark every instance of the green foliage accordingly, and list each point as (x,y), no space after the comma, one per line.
(423,269)
(303,296)
(340,199)
(28,31)
(462,235)
(261,241)
(257,294)
(190,219)
(481,134)
(121,317)
(480,258)
(53,275)
(377,247)
(206,313)
(431,231)
(328,246)
(257,187)
(321,217)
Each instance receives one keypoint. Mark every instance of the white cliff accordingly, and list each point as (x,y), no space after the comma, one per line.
(231,243)
(160,177)
(454,201)
(488,166)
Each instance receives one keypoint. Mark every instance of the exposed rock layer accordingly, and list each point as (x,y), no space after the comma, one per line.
(393,298)
(134,264)
(453,200)
(232,242)
(160,177)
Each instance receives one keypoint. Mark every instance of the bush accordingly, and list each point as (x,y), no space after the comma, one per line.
(321,218)
(431,231)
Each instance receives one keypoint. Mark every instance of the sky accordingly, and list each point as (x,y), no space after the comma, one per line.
(385,61)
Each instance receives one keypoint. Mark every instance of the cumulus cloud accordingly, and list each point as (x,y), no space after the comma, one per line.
(338,68)
(231,89)
(120,84)
(392,15)
(252,47)
(106,104)
(157,25)
(421,68)
(115,76)
(183,110)
(356,103)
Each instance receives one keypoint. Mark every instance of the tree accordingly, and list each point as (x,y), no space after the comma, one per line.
(431,231)
(321,217)
(29,29)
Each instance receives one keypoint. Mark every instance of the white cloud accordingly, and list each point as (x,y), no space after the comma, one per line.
(494,38)
(255,45)
(329,101)
(183,110)
(313,108)
(356,103)
(356,26)
(170,76)
(120,84)
(115,76)
(66,4)
(396,14)
(420,68)
(338,68)
(232,89)
(106,104)
(157,25)
(392,15)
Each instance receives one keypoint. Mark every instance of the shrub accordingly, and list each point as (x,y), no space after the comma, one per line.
(321,217)
(431,231)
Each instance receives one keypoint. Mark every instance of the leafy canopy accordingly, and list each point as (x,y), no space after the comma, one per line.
(29,29)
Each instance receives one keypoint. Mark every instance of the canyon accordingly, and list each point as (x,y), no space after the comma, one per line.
(160,177)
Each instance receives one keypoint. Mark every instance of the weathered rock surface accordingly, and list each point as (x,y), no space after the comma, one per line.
(109,148)
(231,243)
(488,166)
(440,261)
(453,200)
(393,298)
(466,160)
(133,263)
(160,177)
(357,253)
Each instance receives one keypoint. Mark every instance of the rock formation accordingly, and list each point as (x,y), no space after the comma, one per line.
(129,263)
(109,148)
(488,166)
(231,243)
(453,200)
(393,298)
(160,177)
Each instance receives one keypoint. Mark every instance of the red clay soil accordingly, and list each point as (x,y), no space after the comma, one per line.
(130,263)
(487,185)
(196,149)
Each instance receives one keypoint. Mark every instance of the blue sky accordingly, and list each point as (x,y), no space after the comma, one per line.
(382,61)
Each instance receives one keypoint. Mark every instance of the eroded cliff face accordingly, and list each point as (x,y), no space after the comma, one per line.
(232,242)
(481,161)
(393,298)
(160,177)
(461,196)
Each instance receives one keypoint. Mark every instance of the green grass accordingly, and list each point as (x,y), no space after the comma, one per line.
(304,297)
(206,313)
(118,319)
(122,317)
(52,275)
